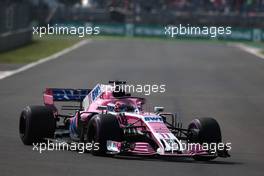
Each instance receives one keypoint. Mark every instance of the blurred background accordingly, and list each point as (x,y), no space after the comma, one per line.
(129,17)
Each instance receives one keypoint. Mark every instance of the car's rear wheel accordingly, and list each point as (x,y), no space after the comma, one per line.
(35,124)
(204,130)
(103,127)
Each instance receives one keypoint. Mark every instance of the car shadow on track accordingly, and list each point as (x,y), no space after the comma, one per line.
(175,159)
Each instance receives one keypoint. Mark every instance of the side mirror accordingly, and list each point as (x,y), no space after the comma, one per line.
(102,108)
(158,109)
(111,107)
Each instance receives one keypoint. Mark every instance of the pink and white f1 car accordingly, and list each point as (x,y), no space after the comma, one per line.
(118,124)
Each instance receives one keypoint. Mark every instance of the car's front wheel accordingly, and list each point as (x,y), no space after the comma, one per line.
(204,130)
(103,127)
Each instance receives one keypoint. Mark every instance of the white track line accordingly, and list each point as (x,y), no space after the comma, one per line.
(5,74)
(249,49)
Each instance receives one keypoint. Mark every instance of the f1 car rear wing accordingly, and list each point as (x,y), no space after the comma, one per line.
(60,94)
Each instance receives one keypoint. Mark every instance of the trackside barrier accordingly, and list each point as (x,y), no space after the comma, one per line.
(15,24)
(13,39)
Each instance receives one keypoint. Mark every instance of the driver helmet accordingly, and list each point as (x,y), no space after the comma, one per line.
(124,106)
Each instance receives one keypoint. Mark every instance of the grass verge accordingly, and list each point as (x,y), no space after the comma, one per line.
(37,49)
(177,40)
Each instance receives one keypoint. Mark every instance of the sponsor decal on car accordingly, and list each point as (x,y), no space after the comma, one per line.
(153,119)
(96,92)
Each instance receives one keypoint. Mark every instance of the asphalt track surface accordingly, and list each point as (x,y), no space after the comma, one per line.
(202,79)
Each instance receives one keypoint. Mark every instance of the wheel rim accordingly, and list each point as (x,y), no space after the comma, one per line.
(22,126)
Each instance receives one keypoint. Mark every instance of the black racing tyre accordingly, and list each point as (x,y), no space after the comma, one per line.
(204,130)
(35,124)
(103,127)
